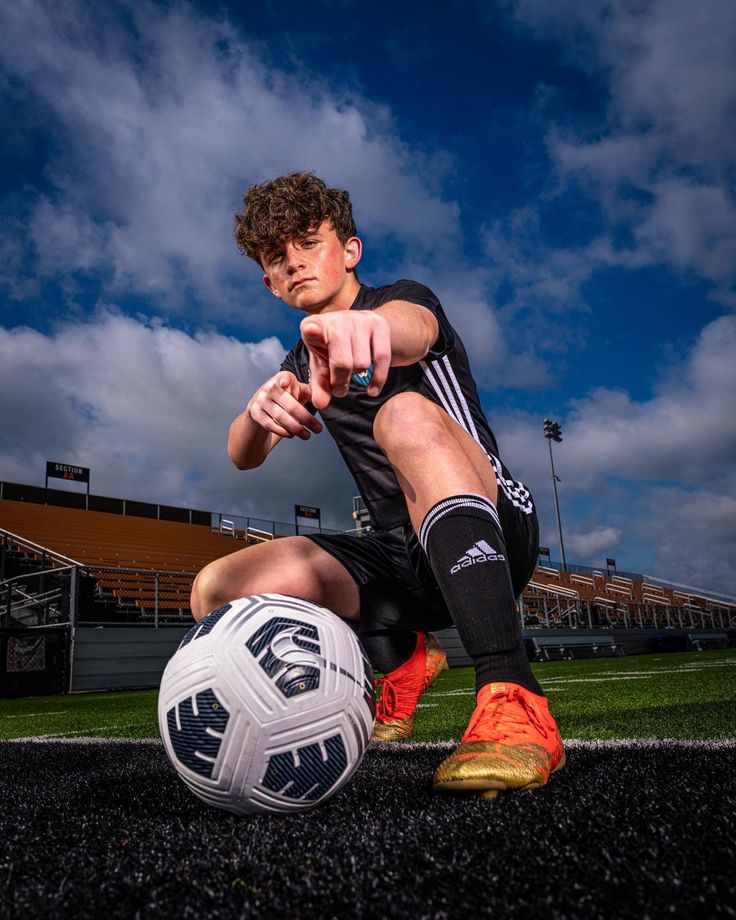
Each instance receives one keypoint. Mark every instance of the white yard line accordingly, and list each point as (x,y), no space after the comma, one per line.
(552,682)
(27,715)
(68,736)
(707,744)
(631,675)
(571,744)
(83,739)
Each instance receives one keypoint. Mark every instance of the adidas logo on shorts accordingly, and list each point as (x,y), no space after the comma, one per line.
(479,552)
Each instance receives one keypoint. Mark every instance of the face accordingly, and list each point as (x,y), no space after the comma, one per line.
(312,273)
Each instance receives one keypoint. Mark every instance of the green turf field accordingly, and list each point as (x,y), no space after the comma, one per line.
(688,695)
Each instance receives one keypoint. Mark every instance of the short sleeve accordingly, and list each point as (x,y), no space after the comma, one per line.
(414,292)
(289,363)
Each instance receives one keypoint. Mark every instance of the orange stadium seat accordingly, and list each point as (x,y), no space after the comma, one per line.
(105,542)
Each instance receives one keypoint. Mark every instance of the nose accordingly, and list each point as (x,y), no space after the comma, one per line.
(293,258)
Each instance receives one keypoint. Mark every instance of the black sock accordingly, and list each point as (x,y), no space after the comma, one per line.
(385,627)
(462,538)
(388,649)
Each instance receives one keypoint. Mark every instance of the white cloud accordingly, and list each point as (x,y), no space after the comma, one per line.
(692,225)
(501,356)
(686,432)
(147,407)
(694,533)
(620,458)
(588,547)
(661,163)
(159,130)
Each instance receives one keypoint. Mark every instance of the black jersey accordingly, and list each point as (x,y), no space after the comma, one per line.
(443,377)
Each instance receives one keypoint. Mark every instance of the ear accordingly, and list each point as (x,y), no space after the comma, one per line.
(353,250)
(270,285)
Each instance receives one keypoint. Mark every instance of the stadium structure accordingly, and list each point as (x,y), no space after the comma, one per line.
(94,594)
(96,822)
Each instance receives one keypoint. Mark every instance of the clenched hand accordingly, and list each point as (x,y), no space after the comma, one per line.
(343,343)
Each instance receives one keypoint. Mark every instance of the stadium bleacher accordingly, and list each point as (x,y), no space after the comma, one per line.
(554,598)
(139,563)
(144,567)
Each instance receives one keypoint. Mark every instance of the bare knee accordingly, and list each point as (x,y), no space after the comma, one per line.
(207,593)
(227,579)
(432,456)
(409,421)
(293,565)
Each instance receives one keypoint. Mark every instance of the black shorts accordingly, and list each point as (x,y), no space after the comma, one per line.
(396,584)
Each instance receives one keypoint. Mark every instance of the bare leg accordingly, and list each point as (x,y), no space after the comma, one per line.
(433,457)
(436,460)
(291,565)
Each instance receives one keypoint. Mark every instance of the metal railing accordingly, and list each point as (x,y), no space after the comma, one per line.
(561,612)
(109,595)
(45,554)
(38,599)
(12,491)
(254,528)
(604,572)
(142,597)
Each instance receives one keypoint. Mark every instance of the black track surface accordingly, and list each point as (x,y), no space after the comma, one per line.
(109,831)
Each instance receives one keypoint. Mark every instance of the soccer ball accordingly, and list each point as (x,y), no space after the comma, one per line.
(267,705)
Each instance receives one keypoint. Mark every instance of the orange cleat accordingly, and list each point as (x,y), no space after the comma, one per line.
(511,742)
(401,689)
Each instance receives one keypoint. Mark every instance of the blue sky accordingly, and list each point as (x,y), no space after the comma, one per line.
(561,173)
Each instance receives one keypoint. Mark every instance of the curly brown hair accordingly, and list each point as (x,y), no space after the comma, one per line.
(289,207)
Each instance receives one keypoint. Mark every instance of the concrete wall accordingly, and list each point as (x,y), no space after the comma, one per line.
(113,657)
(119,657)
(457,657)
(116,657)
(634,641)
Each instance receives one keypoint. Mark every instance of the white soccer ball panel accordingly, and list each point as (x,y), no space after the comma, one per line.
(267,705)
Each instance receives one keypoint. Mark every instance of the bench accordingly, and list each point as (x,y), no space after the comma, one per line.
(550,573)
(617,590)
(583,580)
(564,647)
(683,598)
(703,641)
(554,590)
(655,599)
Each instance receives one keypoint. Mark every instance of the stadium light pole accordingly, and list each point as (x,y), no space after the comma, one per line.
(553,432)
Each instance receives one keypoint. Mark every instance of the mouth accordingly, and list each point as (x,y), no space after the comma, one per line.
(299,283)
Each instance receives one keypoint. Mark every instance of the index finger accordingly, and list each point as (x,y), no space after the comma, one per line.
(314,335)
(291,405)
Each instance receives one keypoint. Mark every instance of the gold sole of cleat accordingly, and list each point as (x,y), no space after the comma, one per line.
(493,793)
(393,731)
(489,788)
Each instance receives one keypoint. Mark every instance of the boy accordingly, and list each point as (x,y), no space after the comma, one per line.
(455,537)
